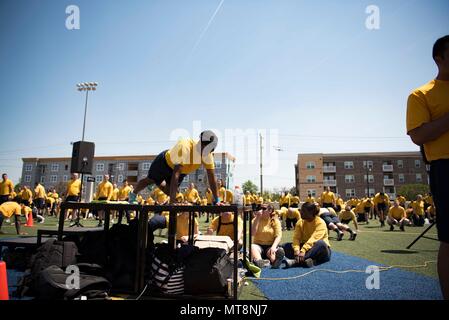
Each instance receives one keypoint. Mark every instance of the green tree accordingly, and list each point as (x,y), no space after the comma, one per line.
(410,191)
(250,186)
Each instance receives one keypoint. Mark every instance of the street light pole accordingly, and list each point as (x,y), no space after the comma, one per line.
(86,86)
(261,165)
(85,112)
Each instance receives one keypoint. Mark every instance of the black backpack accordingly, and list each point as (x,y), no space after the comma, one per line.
(52,284)
(207,271)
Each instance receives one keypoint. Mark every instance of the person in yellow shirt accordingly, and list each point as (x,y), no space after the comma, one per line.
(339,204)
(328,198)
(401,200)
(259,201)
(223,225)
(310,199)
(310,246)
(6,189)
(170,167)
(292,217)
(209,197)
(9,209)
(353,202)
(397,216)
(428,127)
(221,190)
(368,208)
(428,201)
(418,211)
(53,198)
(150,201)
(73,192)
(39,199)
(26,196)
(381,206)
(229,196)
(294,201)
(191,195)
(267,235)
(333,223)
(284,200)
(123,192)
(347,215)
(115,192)
(105,191)
(248,199)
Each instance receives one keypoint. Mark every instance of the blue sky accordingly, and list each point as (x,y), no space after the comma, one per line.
(309,69)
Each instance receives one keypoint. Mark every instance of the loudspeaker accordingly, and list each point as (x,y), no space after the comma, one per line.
(82,157)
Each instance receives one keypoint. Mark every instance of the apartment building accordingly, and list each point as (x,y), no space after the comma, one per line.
(55,172)
(356,174)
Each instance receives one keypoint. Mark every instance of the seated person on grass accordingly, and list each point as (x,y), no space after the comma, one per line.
(9,209)
(310,245)
(333,223)
(267,234)
(347,215)
(223,225)
(397,216)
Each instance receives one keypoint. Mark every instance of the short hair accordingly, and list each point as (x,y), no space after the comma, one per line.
(208,137)
(310,207)
(440,47)
(4,175)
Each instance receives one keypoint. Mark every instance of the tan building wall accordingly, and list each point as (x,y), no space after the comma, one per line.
(310,165)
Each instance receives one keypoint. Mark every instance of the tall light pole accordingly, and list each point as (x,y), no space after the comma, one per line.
(261,166)
(86,86)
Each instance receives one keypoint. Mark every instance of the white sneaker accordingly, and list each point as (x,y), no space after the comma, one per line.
(426,221)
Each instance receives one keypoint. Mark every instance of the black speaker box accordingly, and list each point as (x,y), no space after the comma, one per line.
(82,157)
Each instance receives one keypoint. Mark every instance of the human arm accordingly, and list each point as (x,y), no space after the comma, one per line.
(174,183)
(212,183)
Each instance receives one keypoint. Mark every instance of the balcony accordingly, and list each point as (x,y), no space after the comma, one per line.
(133,173)
(330,183)
(387,168)
(329,169)
(388,182)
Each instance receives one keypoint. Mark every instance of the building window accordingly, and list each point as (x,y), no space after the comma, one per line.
(401,178)
(349,178)
(417,164)
(350,193)
(217,164)
(28,167)
(65,178)
(54,167)
(66,167)
(100,167)
(312,192)
(146,166)
(98,178)
(187,178)
(27,178)
(43,179)
(372,192)
(53,179)
(120,178)
(310,165)
(369,163)
(400,164)
(371,178)
(311,179)
(349,164)
(418,177)
(121,167)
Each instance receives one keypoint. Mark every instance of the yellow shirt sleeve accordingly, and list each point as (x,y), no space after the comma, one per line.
(417,111)
(319,233)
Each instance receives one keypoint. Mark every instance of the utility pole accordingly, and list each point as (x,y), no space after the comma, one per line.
(261,166)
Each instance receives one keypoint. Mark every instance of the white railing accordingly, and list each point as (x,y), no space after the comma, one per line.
(388,182)
(330,169)
(387,167)
(330,183)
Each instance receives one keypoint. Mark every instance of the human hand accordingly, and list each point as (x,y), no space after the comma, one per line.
(300,257)
(184,238)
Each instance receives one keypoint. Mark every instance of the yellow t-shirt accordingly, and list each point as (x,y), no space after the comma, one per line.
(307,233)
(381,199)
(267,231)
(182,225)
(124,192)
(160,196)
(10,208)
(115,193)
(229,196)
(428,103)
(401,199)
(39,192)
(26,195)
(187,153)
(347,215)
(310,200)
(149,201)
(192,195)
(105,190)
(222,194)
(418,207)
(248,200)
(293,213)
(328,197)
(294,200)
(397,213)
(6,187)
(227,225)
(73,187)
(285,200)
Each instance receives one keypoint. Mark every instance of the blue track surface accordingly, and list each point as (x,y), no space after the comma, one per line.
(395,284)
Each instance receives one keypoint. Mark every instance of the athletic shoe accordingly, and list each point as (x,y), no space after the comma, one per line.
(382,224)
(340,235)
(289,263)
(353,236)
(262,263)
(280,254)
(309,263)
(391,228)
(402,227)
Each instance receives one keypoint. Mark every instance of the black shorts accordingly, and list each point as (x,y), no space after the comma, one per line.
(4,199)
(39,203)
(338,208)
(361,217)
(72,198)
(346,221)
(328,205)
(294,205)
(160,170)
(439,186)
(382,207)
(328,218)
(285,205)
(367,209)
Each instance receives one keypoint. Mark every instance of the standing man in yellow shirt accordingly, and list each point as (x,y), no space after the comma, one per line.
(428,126)
(73,192)
(221,190)
(6,189)
(294,201)
(328,198)
(123,196)
(105,191)
(39,201)
(171,166)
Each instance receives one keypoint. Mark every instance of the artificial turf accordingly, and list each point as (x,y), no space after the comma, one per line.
(373,243)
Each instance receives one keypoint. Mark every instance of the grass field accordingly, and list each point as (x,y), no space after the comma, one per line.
(373,243)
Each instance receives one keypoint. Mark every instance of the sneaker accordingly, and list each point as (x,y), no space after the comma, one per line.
(353,236)
(280,254)
(289,263)
(262,263)
(340,235)
(382,224)
(309,263)
(391,228)
(402,227)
